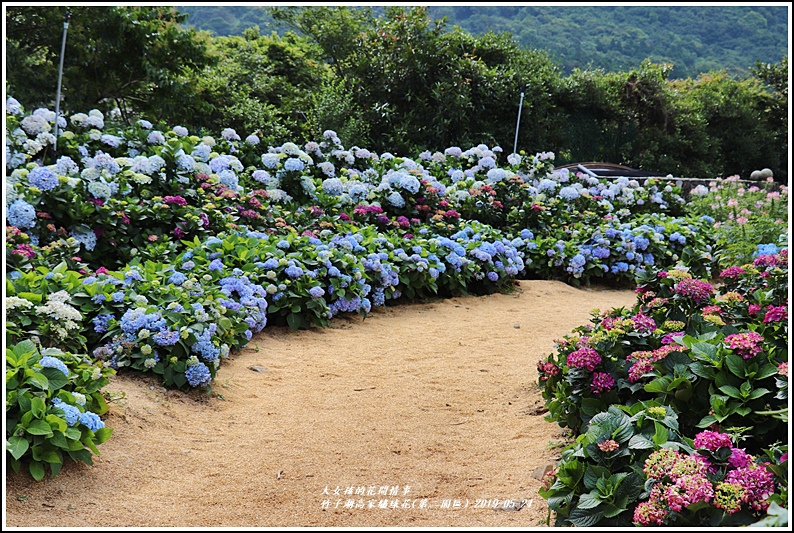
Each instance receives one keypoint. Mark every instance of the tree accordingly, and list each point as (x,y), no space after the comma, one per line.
(264,84)
(135,58)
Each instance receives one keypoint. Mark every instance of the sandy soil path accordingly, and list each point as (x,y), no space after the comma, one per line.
(421,415)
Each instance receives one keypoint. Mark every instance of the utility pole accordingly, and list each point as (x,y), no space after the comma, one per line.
(60,76)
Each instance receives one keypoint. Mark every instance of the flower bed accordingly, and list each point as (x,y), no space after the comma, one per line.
(700,362)
(151,248)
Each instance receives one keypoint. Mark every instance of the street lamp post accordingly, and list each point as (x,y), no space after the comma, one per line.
(60,76)
(518,121)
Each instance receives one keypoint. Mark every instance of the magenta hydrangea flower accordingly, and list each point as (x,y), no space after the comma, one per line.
(712,310)
(782,369)
(175,200)
(776,314)
(765,261)
(753,309)
(584,358)
(689,489)
(732,272)
(638,369)
(744,344)
(547,369)
(740,458)
(643,323)
(669,338)
(758,482)
(695,289)
(712,440)
(602,382)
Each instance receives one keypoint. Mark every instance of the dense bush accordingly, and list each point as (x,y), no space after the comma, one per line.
(708,358)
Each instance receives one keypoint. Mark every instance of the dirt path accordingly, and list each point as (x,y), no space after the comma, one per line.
(431,402)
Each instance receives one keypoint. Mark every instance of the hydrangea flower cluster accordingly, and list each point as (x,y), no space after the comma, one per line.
(697,290)
(584,358)
(745,344)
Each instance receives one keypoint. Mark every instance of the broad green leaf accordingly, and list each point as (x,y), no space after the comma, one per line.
(57,421)
(294,321)
(102,435)
(705,352)
(757,393)
(592,474)
(661,434)
(55,378)
(640,442)
(37,406)
(611,511)
(735,365)
(17,446)
(51,456)
(589,500)
(36,470)
(39,427)
(731,391)
(585,518)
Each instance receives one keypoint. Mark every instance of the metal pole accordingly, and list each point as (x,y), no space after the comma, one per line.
(60,75)
(518,121)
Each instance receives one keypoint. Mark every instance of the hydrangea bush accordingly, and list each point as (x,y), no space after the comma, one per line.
(713,357)
(164,250)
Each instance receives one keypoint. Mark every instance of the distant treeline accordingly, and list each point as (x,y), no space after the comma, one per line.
(396,79)
(695,39)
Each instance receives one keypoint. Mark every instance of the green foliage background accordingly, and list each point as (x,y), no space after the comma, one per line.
(399,79)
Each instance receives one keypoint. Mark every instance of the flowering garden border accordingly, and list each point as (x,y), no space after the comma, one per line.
(150,248)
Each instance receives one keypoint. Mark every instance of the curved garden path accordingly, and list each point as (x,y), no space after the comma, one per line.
(433,402)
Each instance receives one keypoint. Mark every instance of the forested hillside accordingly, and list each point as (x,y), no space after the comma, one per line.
(695,39)
(396,80)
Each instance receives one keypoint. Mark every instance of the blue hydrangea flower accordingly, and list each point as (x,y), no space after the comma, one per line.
(765,249)
(293,271)
(54,362)
(198,375)
(166,337)
(316,292)
(21,214)
(569,193)
(396,199)
(101,322)
(293,164)
(70,412)
(333,187)
(91,421)
(43,178)
(177,278)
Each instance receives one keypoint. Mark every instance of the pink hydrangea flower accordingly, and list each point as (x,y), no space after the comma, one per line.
(758,482)
(695,289)
(689,489)
(643,323)
(608,446)
(584,358)
(776,314)
(744,344)
(712,440)
(602,382)
(732,272)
